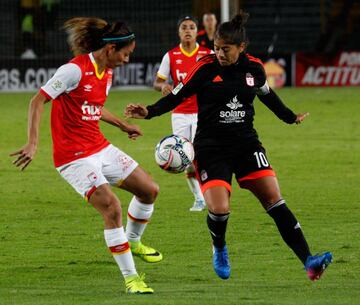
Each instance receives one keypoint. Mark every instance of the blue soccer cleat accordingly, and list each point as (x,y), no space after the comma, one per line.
(316,265)
(221,262)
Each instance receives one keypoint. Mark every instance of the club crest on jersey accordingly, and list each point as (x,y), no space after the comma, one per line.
(203,175)
(178,61)
(249,80)
(92,177)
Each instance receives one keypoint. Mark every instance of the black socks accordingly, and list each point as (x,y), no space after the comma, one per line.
(290,229)
(217,226)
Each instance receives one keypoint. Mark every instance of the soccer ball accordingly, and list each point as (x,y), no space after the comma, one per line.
(174,153)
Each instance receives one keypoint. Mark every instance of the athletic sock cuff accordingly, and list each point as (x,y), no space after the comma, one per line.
(139,210)
(218,217)
(114,237)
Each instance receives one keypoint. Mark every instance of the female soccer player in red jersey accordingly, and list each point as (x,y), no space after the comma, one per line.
(82,155)
(176,64)
(226,142)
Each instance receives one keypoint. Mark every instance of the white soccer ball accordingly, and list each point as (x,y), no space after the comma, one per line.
(174,153)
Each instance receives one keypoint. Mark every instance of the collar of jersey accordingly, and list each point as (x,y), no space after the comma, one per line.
(98,75)
(189,54)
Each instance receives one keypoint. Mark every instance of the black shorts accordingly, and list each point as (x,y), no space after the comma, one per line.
(215,166)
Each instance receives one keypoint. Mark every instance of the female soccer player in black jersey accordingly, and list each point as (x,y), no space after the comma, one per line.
(226,143)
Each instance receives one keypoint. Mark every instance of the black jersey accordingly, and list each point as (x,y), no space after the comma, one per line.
(225,97)
(203,40)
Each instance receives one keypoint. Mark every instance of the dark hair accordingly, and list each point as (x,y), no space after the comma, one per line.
(233,31)
(90,34)
(187,17)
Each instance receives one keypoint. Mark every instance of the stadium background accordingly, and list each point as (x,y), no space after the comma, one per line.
(32,38)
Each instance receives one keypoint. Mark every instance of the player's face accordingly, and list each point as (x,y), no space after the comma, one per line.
(187,31)
(227,54)
(209,21)
(120,57)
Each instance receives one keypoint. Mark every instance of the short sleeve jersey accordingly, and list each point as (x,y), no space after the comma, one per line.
(78,93)
(176,64)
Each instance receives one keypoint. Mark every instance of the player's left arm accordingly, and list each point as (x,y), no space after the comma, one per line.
(267,96)
(132,130)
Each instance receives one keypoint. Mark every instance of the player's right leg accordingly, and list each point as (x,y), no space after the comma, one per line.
(215,172)
(185,125)
(217,199)
(86,178)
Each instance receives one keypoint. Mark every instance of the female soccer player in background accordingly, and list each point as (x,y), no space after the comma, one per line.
(206,36)
(82,155)
(226,142)
(176,64)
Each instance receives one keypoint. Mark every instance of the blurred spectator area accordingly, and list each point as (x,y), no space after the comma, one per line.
(306,25)
(274,25)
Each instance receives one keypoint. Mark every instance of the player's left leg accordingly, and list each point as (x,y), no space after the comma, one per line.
(140,210)
(267,190)
(124,172)
(185,125)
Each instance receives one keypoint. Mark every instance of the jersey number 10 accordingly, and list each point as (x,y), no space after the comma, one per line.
(261,159)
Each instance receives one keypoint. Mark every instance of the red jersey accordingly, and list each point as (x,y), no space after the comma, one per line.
(78,94)
(177,63)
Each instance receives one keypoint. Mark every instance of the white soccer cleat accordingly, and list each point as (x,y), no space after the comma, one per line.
(198,206)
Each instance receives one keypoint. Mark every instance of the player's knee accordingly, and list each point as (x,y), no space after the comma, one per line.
(151,193)
(270,201)
(218,207)
(154,191)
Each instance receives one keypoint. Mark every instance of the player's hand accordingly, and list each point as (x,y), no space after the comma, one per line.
(301,117)
(135,111)
(24,156)
(133,131)
(166,89)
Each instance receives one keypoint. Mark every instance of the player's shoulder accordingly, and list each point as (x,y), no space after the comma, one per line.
(205,64)
(175,51)
(254,61)
(80,59)
(201,33)
(208,59)
(204,67)
(203,50)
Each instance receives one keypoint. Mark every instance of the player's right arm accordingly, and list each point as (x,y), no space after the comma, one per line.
(193,82)
(66,78)
(162,76)
(27,152)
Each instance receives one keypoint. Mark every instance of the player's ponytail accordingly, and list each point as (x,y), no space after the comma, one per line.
(86,34)
(233,31)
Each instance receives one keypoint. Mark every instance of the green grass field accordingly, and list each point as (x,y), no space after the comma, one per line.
(52,249)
